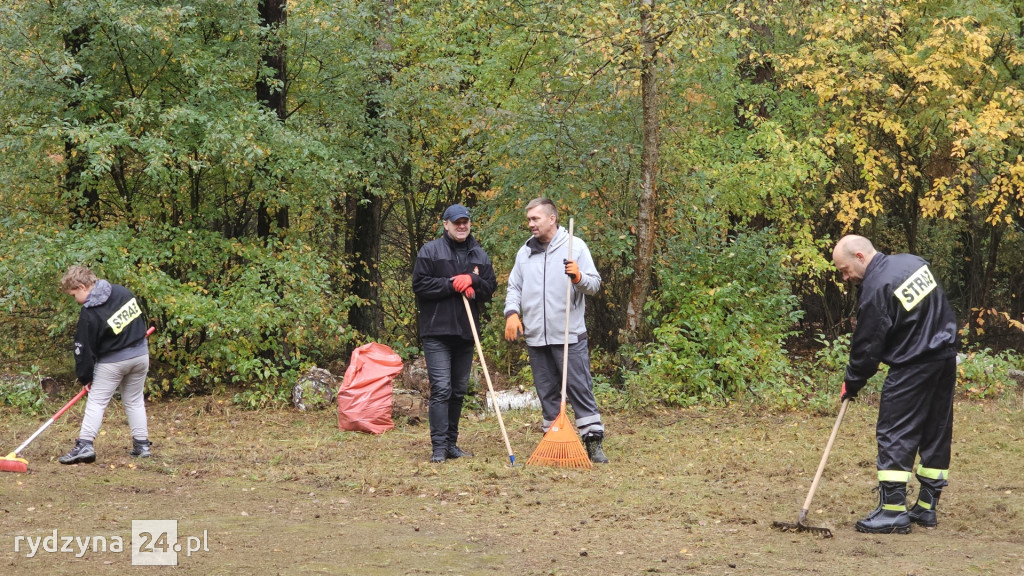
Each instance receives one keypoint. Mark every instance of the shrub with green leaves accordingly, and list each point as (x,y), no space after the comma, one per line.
(725,311)
(819,382)
(983,373)
(228,312)
(23,392)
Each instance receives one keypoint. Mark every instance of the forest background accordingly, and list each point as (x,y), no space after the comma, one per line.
(261,173)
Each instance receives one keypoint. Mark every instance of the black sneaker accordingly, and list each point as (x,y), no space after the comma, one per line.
(456,452)
(140,448)
(438,456)
(81,453)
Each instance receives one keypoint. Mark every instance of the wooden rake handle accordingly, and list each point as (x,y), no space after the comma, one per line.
(568,306)
(487,377)
(824,459)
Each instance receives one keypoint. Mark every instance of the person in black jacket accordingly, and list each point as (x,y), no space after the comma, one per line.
(111,353)
(905,321)
(446,270)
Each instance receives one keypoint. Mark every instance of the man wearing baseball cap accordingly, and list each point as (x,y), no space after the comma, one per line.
(446,270)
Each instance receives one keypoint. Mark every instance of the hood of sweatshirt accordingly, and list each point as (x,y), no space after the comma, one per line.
(100,293)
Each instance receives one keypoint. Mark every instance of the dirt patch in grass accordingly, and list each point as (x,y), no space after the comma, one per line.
(687,492)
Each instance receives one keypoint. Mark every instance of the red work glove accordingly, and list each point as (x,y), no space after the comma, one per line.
(461,282)
(848,394)
(572,270)
(513,327)
(469,293)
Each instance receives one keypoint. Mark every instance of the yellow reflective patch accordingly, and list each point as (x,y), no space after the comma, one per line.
(893,476)
(919,285)
(123,317)
(932,473)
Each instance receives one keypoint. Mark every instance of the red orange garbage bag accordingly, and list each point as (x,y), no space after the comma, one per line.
(364,397)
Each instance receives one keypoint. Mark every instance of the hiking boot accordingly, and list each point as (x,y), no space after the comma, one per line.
(923,512)
(438,456)
(456,452)
(594,449)
(81,453)
(891,516)
(140,448)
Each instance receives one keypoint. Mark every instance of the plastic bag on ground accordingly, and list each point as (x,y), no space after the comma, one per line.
(364,397)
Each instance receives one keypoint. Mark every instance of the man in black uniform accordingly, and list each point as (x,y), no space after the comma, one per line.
(447,269)
(905,321)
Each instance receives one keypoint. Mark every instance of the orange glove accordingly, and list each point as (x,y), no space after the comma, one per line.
(461,282)
(513,327)
(572,270)
(469,293)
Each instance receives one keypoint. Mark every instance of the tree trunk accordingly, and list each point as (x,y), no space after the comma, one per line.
(272,91)
(971,269)
(364,245)
(646,228)
(365,206)
(87,212)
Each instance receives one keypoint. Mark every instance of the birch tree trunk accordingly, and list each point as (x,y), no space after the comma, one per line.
(646,228)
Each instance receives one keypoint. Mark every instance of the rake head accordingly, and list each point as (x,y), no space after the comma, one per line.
(801,527)
(560,447)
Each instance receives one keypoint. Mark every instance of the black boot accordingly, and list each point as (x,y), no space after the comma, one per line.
(140,448)
(891,516)
(923,513)
(438,456)
(82,452)
(456,452)
(594,449)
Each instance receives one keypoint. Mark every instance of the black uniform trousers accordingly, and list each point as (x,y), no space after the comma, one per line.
(915,416)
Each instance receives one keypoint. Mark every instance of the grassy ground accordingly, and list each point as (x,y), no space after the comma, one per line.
(687,492)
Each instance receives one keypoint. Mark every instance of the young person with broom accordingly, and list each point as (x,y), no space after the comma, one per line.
(535,305)
(447,269)
(111,354)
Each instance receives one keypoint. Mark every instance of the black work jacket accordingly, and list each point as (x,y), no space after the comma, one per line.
(441,310)
(903,317)
(111,327)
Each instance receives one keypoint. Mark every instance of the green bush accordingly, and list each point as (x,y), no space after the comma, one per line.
(228,312)
(819,384)
(725,310)
(23,392)
(985,374)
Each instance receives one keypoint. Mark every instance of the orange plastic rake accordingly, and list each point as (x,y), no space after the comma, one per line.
(561,445)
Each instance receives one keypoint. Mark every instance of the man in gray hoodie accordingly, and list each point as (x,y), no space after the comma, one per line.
(535,305)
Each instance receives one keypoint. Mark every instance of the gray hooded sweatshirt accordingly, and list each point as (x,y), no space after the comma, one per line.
(537,287)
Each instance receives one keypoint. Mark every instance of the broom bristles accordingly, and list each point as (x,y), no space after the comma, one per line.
(13,464)
(560,447)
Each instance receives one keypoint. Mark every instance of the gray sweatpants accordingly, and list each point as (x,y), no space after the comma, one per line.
(546,363)
(128,376)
